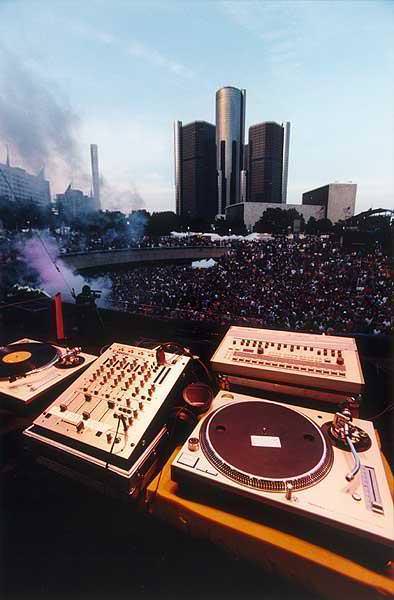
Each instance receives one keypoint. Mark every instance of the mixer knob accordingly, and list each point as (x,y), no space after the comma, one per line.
(260,350)
(340,360)
(88,397)
(63,407)
(135,413)
(127,384)
(109,436)
(127,401)
(147,376)
(137,389)
(142,383)
(111,403)
(122,373)
(86,414)
(141,405)
(130,420)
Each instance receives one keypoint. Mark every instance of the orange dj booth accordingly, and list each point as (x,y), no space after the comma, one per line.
(309,564)
(303,492)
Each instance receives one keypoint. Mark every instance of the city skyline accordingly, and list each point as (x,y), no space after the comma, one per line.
(121,77)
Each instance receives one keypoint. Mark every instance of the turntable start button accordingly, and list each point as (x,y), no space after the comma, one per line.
(187,459)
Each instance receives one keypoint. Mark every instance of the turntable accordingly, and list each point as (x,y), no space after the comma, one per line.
(293,460)
(29,368)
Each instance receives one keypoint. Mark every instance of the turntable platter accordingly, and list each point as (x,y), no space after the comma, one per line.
(266,445)
(20,359)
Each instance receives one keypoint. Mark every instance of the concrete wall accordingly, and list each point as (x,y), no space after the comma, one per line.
(92,260)
(341,201)
(252,211)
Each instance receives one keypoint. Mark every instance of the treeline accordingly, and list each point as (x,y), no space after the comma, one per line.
(20,215)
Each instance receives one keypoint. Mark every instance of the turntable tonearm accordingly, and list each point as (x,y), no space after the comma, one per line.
(306,462)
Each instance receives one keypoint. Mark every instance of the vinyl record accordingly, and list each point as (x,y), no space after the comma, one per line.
(21,359)
(266,445)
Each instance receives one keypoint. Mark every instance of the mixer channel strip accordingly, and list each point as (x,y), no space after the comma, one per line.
(111,412)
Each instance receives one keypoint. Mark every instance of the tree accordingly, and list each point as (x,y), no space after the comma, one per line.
(277,220)
(162,223)
(23,214)
(323,226)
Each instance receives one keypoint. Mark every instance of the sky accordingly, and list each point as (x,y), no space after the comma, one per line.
(119,73)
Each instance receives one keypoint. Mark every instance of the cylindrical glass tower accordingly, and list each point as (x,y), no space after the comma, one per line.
(230,134)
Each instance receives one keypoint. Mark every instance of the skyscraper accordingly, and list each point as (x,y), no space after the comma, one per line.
(95,176)
(230,133)
(178,166)
(195,169)
(265,151)
(286,148)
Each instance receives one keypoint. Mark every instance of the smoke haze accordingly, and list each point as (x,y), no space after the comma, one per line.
(35,121)
(41,253)
(113,198)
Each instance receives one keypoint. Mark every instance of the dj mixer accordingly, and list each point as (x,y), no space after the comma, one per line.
(108,418)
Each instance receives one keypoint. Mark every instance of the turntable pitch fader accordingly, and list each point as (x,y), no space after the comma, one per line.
(310,463)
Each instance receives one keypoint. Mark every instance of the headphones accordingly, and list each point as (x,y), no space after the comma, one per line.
(197,399)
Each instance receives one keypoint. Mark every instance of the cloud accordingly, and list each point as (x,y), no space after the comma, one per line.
(135,48)
(274,23)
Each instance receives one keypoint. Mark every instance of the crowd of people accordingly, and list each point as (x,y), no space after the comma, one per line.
(75,242)
(310,284)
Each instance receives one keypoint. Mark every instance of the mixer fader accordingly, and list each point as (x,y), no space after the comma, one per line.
(110,415)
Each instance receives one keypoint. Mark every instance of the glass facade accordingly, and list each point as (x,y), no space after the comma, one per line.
(230,133)
(265,150)
(195,170)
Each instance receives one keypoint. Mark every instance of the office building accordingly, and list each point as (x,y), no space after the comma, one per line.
(338,200)
(265,158)
(178,166)
(335,201)
(230,134)
(286,149)
(18,184)
(95,177)
(195,170)
(73,204)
